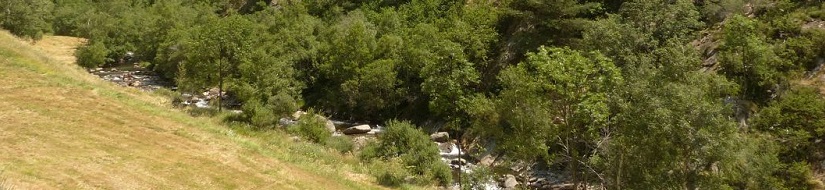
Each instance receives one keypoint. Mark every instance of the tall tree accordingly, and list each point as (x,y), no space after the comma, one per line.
(747,59)
(215,51)
(557,97)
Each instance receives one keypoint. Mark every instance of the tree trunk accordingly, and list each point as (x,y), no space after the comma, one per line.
(619,171)
(220,86)
(690,182)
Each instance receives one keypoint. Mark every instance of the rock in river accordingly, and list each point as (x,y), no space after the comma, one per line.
(510,181)
(441,137)
(360,129)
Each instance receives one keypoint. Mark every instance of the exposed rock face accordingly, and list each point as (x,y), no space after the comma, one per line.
(360,129)
(441,137)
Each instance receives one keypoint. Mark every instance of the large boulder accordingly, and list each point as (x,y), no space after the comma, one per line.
(359,129)
(327,123)
(510,182)
(486,160)
(441,137)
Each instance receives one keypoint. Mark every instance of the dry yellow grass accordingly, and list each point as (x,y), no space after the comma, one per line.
(62,128)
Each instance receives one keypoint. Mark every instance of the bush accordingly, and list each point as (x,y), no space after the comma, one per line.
(91,55)
(798,175)
(796,120)
(203,112)
(175,97)
(391,173)
(402,140)
(311,127)
(258,114)
(478,178)
(342,144)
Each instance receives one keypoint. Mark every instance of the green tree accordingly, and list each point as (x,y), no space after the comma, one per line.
(557,97)
(267,87)
(215,51)
(796,121)
(27,18)
(747,59)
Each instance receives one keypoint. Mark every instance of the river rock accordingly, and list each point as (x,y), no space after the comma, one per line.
(487,160)
(286,122)
(509,181)
(327,123)
(297,115)
(459,161)
(441,137)
(360,129)
(134,83)
(445,147)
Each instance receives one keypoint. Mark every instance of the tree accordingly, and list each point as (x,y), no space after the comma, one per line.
(670,134)
(796,121)
(267,87)
(353,68)
(747,59)
(215,51)
(557,97)
(27,18)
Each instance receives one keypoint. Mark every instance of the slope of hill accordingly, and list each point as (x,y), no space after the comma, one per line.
(63,128)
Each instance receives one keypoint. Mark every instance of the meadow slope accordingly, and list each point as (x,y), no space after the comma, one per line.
(62,128)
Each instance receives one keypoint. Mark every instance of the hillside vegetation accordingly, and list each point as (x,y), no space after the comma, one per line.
(63,128)
(575,94)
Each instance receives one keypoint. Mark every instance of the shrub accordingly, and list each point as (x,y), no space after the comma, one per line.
(796,120)
(478,178)
(391,173)
(258,114)
(175,97)
(311,127)
(342,144)
(798,175)
(201,112)
(402,140)
(92,55)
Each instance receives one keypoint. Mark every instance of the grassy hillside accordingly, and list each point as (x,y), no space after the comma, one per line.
(62,128)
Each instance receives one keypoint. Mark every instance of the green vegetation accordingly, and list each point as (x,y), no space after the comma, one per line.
(637,94)
(62,120)
(92,55)
(312,128)
(342,144)
(414,148)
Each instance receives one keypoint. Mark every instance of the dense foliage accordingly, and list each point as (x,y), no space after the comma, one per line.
(636,94)
(414,148)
